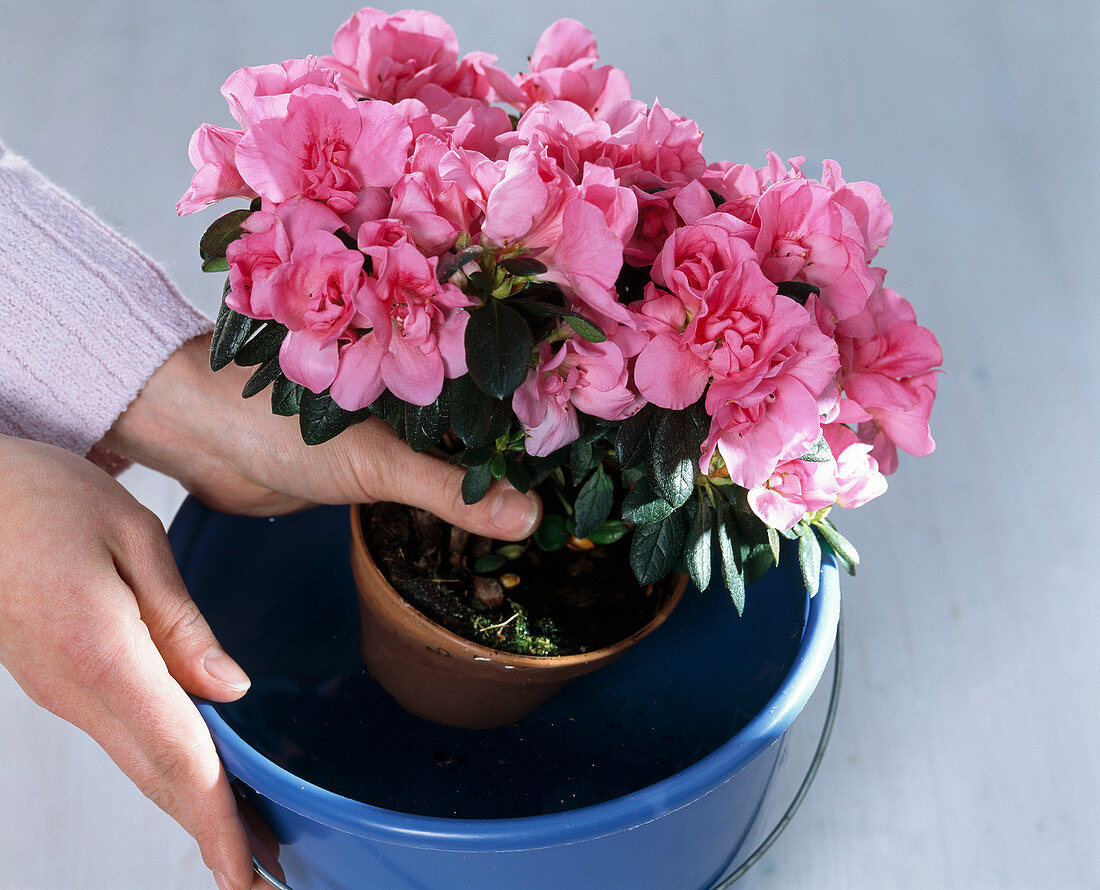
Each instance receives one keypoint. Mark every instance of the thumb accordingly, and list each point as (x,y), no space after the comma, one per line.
(185,641)
(436,486)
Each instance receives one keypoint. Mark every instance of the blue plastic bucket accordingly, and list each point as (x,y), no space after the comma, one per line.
(647,775)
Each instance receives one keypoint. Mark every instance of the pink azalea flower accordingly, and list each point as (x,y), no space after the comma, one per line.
(254,258)
(693,255)
(887,363)
(806,236)
(413,331)
(590,377)
(795,489)
(409,55)
(857,474)
(314,295)
(563,66)
(770,369)
(434,209)
(216,176)
(327,148)
(255,94)
(655,149)
(537,209)
(865,202)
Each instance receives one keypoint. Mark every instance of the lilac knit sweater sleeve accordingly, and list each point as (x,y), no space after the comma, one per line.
(85,317)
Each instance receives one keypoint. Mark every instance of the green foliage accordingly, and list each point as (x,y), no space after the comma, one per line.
(656,547)
(697,548)
(809,556)
(320,418)
(231,332)
(498,348)
(819,452)
(286,397)
(263,377)
(593,504)
(799,291)
(221,233)
(644,505)
(262,346)
(476,482)
(426,425)
(672,461)
(552,534)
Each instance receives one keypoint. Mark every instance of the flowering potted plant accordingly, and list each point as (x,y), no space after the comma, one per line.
(689,361)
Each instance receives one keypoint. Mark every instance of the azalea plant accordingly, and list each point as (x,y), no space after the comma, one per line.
(547,278)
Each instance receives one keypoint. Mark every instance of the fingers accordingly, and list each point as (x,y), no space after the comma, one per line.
(153,732)
(185,641)
(377,465)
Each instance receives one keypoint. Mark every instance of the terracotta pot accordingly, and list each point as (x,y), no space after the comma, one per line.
(440,676)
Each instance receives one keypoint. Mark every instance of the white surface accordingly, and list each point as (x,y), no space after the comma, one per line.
(965,751)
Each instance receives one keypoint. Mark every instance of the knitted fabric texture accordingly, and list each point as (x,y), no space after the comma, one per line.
(85,317)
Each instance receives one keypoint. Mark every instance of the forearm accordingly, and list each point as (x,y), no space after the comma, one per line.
(85,317)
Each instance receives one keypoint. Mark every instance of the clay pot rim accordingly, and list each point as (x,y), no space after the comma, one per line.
(444,637)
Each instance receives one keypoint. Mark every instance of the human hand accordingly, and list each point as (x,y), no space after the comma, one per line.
(236,456)
(96,626)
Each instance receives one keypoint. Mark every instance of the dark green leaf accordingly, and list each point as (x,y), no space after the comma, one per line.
(384,405)
(608,532)
(347,239)
(498,348)
(593,503)
(231,332)
(471,411)
(263,345)
(542,467)
(222,232)
(582,459)
(425,425)
(656,547)
(286,397)
(697,551)
(757,563)
(632,282)
(486,565)
(585,328)
(215,264)
(672,462)
(819,452)
(551,534)
(516,473)
(644,505)
(809,558)
(798,291)
(476,483)
(497,466)
(481,281)
(525,266)
(729,548)
(475,457)
(841,546)
(320,418)
(716,198)
(635,435)
(773,545)
(537,308)
(449,265)
(264,375)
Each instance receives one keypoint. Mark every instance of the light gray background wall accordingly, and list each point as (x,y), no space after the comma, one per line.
(965,752)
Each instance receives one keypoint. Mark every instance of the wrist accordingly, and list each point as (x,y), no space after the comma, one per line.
(171,424)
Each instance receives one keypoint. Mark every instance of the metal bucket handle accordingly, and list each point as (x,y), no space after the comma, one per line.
(773,835)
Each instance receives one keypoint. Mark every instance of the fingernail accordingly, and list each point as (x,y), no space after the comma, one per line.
(221,667)
(221,880)
(513,512)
